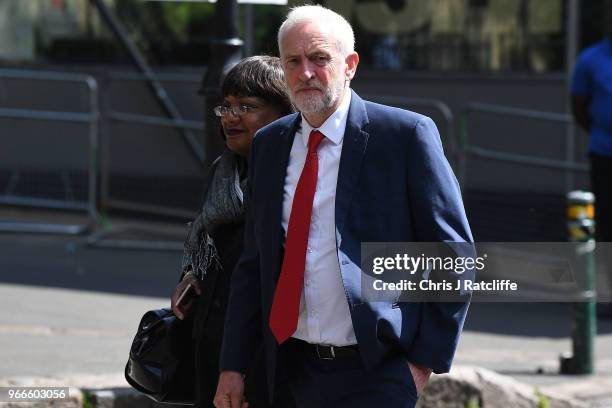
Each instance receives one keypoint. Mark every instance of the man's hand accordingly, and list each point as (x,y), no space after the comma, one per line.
(183,309)
(230,391)
(420,374)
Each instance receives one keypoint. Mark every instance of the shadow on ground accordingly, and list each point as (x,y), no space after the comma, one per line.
(67,262)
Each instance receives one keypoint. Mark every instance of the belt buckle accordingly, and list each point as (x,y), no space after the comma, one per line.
(331,351)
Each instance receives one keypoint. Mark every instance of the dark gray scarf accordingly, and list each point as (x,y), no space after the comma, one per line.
(223,204)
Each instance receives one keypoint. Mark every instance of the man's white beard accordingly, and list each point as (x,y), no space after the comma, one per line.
(312,103)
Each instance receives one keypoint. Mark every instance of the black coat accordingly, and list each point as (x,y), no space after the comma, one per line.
(209,319)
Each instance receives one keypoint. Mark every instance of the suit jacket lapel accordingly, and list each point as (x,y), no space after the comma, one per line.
(278,171)
(353,149)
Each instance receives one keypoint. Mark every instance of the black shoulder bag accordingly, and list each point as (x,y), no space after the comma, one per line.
(161,364)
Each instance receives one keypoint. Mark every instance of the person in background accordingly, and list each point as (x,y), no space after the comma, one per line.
(254,94)
(591,99)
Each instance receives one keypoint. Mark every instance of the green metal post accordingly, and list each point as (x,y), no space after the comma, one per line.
(581,229)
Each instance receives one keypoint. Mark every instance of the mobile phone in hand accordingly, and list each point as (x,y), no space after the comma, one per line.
(186,296)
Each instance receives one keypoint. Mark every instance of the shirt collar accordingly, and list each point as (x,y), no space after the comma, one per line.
(333,128)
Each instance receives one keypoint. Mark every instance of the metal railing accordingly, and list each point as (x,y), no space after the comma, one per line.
(103,237)
(448,134)
(568,164)
(90,119)
(107,201)
(147,74)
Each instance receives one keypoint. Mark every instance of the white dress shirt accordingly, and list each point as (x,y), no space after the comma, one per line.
(324,313)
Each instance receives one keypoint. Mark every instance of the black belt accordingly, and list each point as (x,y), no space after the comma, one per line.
(326,351)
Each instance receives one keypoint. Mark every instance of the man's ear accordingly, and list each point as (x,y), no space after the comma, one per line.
(352,60)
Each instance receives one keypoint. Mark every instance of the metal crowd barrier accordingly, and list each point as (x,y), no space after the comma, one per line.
(103,237)
(145,120)
(89,118)
(569,165)
(448,134)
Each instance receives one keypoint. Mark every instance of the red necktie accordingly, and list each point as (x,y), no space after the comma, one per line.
(286,304)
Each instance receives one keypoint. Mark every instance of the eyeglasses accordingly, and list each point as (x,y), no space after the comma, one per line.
(222,111)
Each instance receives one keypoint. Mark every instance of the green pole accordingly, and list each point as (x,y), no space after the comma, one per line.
(581,229)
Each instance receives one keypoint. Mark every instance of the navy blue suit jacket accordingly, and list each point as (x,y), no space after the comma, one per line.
(394,185)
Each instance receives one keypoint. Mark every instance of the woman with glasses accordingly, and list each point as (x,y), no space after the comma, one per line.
(254,94)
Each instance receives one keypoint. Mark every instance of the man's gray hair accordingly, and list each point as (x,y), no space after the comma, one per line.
(324,17)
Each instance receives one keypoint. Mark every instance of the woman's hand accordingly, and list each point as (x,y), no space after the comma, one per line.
(184,308)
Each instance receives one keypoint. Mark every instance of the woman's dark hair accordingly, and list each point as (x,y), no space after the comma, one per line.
(261,76)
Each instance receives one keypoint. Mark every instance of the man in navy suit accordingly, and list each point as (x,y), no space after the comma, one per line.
(341,172)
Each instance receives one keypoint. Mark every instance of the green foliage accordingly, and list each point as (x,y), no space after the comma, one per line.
(168,32)
(88,400)
(543,400)
(181,19)
(473,403)
(184,19)
(267,21)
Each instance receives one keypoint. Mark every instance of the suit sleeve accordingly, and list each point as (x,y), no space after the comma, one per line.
(440,217)
(242,332)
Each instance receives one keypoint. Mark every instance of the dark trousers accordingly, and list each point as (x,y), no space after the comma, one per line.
(344,382)
(601,184)
(208,349)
